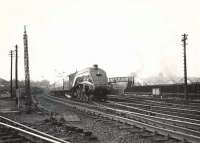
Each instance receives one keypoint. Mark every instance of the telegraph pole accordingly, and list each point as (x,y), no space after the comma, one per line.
(28,98)
(63,84)
(184,38)
(11,60)
(16,67)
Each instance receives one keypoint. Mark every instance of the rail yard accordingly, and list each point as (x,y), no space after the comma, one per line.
(92,108)
(167,127)
(100,72)
(142,120)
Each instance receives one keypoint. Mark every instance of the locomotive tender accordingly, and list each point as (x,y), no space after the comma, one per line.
(87,84)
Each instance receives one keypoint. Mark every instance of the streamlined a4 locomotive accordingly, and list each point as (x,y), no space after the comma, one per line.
(88,84)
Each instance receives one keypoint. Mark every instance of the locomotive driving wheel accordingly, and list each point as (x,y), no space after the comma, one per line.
(76,93)
(84,95)
(80,93)
(90,98)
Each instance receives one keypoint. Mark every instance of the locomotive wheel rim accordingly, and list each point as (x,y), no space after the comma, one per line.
(85,95)
(75,93)
(86,98)
(81,94)
(78,93)
(90,97)
(81,98)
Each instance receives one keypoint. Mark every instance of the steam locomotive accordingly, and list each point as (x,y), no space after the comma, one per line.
(87,85)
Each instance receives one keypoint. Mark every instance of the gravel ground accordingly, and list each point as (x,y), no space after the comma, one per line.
(72,125)
(106,131)
(54,125)
(46,122)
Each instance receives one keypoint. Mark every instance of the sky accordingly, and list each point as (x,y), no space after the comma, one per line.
(121,36)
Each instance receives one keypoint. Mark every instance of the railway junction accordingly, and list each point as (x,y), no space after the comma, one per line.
(125,118)
(90,110)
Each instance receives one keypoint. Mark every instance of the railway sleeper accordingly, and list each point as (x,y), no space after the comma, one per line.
(150,128)
(9,137)
(152,124)
(146,134)
(14,140)
(136,131)
(191,126)
(160,138)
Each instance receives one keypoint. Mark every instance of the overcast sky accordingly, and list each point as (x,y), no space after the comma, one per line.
(121,36)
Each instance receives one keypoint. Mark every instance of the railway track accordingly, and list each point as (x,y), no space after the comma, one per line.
(165,127)
(165,110)
(14,132)
(157,101)
(152,113)
(160,107)
(174,123)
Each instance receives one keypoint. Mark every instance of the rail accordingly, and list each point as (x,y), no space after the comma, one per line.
(144,111)
(29,131)
(149,97)
(151,127)
(167,110)
(31,135)
(165,123)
